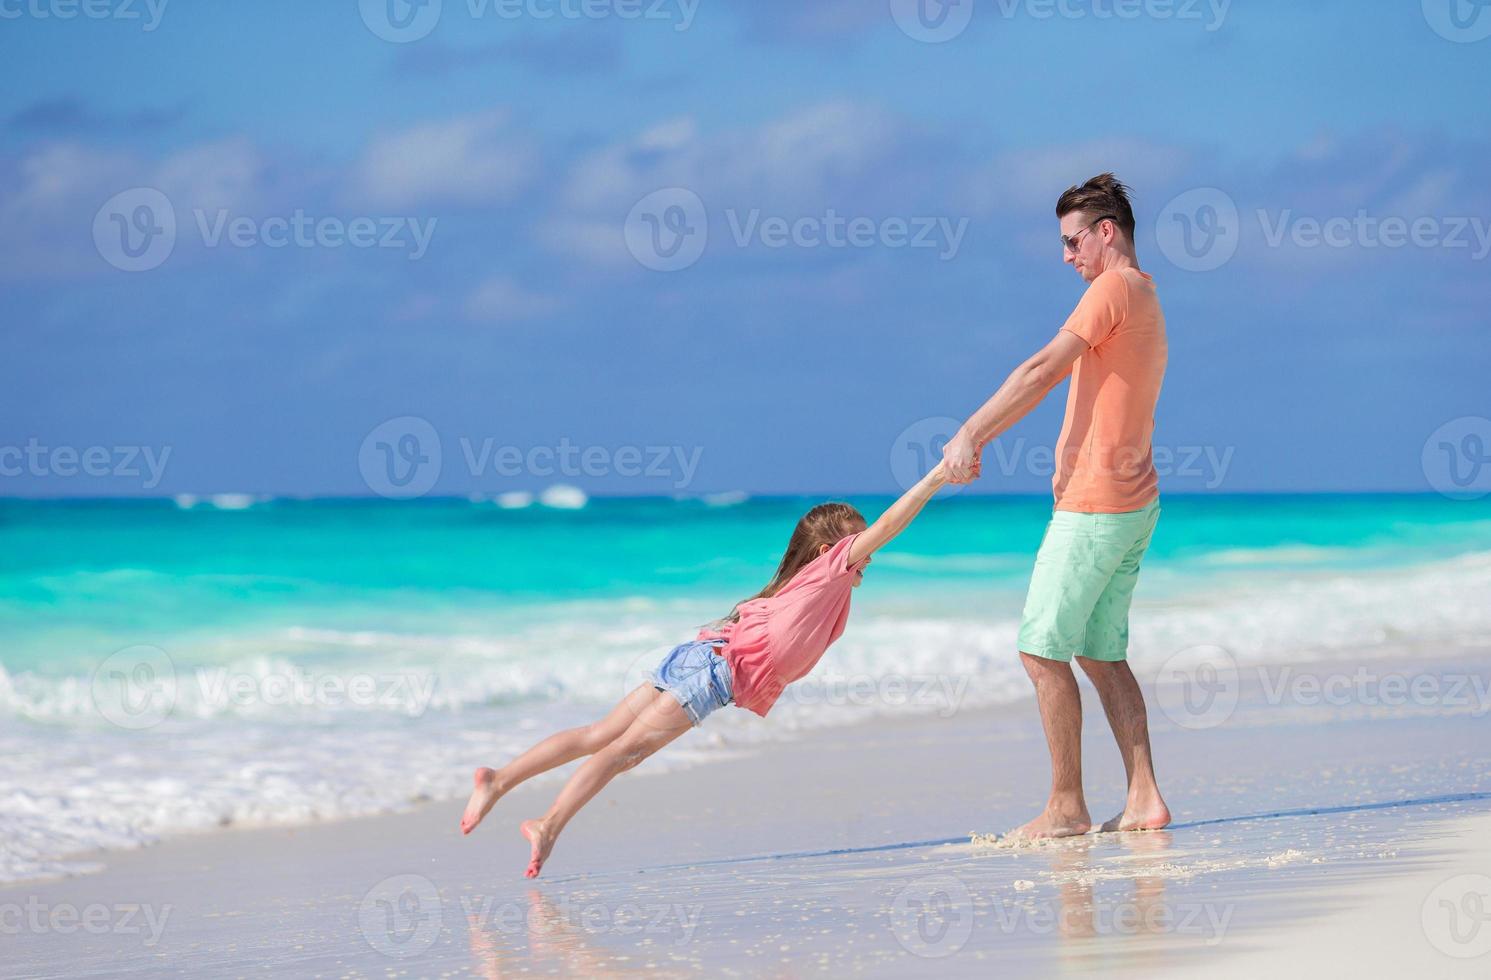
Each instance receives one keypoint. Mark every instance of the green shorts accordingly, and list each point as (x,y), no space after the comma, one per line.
(1083,583)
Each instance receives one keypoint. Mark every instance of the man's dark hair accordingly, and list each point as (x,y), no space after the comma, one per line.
(1103,195)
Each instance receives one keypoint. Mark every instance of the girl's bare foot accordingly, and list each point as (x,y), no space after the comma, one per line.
(483,795)
(542,841)
(1148,815)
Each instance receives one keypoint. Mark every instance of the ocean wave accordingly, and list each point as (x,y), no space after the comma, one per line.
(580,651)
(996,563)
(1284,554)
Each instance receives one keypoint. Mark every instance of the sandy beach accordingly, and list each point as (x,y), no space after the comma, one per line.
(1353,835)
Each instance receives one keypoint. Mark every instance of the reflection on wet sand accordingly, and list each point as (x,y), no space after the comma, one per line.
(1111,901)
(557,938)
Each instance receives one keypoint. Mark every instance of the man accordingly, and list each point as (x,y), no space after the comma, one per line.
(1107,503)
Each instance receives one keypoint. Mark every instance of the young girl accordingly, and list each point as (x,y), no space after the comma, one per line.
(766,643)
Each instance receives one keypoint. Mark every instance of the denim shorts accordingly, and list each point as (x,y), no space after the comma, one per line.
(697,676)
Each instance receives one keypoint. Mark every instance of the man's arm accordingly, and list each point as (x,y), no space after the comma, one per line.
(1021,392)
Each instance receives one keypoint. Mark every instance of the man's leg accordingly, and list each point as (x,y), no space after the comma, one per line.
(1069,576)
(1123,703)
(1103,658)
(1060,703)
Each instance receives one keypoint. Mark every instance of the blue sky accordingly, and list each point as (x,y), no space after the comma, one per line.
(524,143)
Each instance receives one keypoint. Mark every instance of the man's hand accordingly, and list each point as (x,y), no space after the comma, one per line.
(961,459)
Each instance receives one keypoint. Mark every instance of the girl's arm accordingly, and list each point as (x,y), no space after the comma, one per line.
(897,516)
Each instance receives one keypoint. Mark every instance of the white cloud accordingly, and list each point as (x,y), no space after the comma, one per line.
(474,159)
(226,174)
(799,163)
(48,199)
(593,241)
(54,175)
(502,298)
(1032,179)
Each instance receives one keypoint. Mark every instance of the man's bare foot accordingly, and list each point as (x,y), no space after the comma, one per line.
(1151,815)
(542,841)
(483,795)
(1053,823)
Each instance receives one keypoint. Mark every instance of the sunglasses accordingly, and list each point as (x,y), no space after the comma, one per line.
(1074,242)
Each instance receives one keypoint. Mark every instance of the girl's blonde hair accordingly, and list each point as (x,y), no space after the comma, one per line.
(825,524)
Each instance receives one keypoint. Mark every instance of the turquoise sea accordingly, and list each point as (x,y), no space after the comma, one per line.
(177,666)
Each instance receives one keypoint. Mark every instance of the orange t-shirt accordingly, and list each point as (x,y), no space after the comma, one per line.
(1104,460)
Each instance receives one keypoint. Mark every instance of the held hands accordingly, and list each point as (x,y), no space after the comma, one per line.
(961,460)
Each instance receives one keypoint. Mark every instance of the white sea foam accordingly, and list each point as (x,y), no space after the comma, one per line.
(233,501)
(1299,554)
(476,692)
(563,497)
